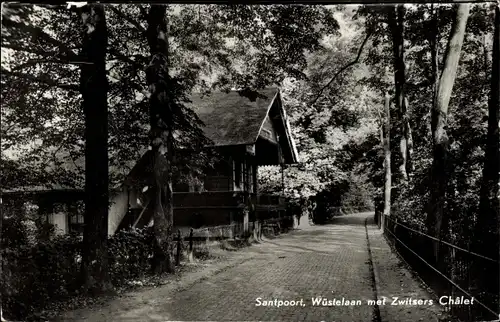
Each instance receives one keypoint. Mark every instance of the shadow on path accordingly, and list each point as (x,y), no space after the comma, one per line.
(357,219)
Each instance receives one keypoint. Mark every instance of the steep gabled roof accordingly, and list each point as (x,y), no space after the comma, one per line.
(230,118)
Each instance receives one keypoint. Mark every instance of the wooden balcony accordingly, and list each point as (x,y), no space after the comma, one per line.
(268,202)
(227,199)
(261,199)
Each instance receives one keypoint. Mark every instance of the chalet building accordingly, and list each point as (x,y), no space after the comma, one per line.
(245,133)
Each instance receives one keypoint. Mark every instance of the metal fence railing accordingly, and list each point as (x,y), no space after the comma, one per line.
(457,275)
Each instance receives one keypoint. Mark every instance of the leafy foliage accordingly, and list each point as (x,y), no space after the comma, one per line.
(35,270)
(132,252)
(209,50)
(333,65)
(38,271)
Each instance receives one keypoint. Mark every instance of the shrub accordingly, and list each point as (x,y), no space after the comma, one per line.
(298,207)
(37,271)
(130,253)
(202,252)
(41,268)
(35,275)
(293,209)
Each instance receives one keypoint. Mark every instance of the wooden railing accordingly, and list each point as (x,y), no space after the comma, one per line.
(208,199)
(270,200)
(215,199)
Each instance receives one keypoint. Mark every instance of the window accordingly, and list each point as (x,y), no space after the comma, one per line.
(76,218)
(250,177)
(76,223)
(254,177)
(237,173)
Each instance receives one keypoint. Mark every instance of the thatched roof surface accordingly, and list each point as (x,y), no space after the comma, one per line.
(230,118)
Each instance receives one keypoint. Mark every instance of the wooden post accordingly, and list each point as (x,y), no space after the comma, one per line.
(190,254)
(191,240)
(245,220)
(178,257)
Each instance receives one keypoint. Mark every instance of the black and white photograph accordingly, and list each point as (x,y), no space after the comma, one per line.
(261,161)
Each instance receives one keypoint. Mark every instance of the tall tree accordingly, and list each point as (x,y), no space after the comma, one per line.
(437,219)
(488,225)
(387,159)
(270,43)
(161,122)
(1,262)
(432,37)
(40,68)
(489,203)
(94,90)
(396,23)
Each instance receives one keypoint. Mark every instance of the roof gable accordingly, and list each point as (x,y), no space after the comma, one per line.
(230,118)
(276,116)
(268,130)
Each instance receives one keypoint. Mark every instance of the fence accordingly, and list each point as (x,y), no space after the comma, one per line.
(196,241)
(459,276)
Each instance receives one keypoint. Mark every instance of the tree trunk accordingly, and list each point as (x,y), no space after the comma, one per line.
(94,87)
(486,232)
(379,194)
(381,132)
(387,160)
(485,55)
(410,166)
(396,22)
(161,121)
(437,219)
(434,45)
(1,260)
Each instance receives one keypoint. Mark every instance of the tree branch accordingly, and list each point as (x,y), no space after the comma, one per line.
(131,21)
(17,47)
(42,80)
(355,61)
(37,32)
(126,59)
(34,62)
(424,83)
(54,154)
(42,53)
(144,12)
